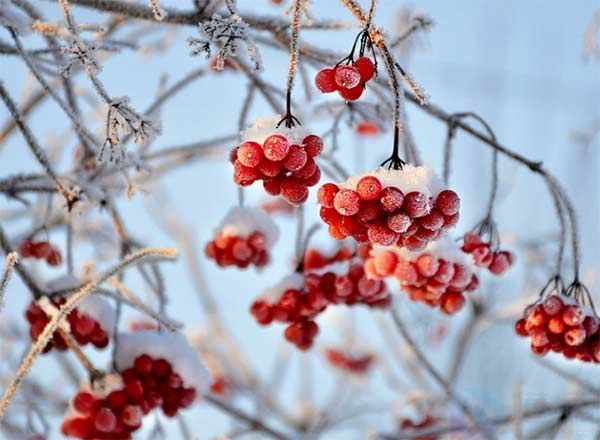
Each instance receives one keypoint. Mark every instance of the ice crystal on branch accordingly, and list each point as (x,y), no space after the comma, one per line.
(225,33)
(122,120)
(80,53)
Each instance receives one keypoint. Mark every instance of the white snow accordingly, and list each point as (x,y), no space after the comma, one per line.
(263,128)
(171,346)
(243,222)
(445,247)
(339,268)
(409,178)
(272,294)
(100,310)
(64,282)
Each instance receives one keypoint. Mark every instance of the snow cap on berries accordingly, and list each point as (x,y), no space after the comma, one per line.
(170,346)
(243,222)
(100,310)
(263,128)
(410,178)
(272,294)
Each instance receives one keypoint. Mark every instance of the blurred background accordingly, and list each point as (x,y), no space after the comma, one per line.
(518,64)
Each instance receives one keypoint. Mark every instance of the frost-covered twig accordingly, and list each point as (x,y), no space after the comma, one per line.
(11,259)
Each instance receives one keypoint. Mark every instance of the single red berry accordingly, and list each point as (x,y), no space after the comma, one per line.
(26,249)
(295,159)
(325,81)
(117,399)
(84,402)
(243,175)
(352,94)
(313,145)
(105,420)
(270,168)
(294,190)
(367,128)
(272,187)
(520,328)
(347,77)
(573,315)
(131,416)
(391,199)
(307,170)
(42,249)
(369,188)
(276,147)
(448,202)
(382,235)
(432,221)
(161,368)
(314,178)
(346,202)
(416,204)
(143,364)
(250,154)
(365,67)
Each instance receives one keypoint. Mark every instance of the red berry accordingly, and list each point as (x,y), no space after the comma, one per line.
(84,325)
(83,402)
(352,94)
(117,399)
(295,159)
(276,147)
(499,263)
(520,328)
(313,145)
(272,187)
(382,235)
(105,420)
(391,199)
(427,265)
(367,128)
(573,315)
(307,170)
(416,204)
(131,416)
(135,390)
(452,303)
(241,251)
(448,202)
(325,81)
(314,178)
(161,368)
(386,262)
(369,188)
(294,190)
(346,202)
(270,168)
(575,336)
(365,67)
(42,249)
(347,77)
(26,249)
(250,154)
(399,222)
(432,221)
(243,175)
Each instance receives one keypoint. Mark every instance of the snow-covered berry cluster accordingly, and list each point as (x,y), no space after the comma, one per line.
(496,261)
(244,237)
(41,250)
(407,207)
(106,412)
(349,362)
(283,158)
(90,323)
(438,276)
(560,324)
(299,298)
(157,370)
(347,79)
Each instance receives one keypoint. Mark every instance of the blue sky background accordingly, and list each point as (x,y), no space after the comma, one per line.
(516,63)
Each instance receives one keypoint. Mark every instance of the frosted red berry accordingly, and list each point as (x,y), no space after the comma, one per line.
(366,68)
(325,81)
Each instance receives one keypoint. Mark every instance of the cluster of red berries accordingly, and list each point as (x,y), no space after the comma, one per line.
(84,329)
(148,384)
(426,422)
(346,79)
(386,216)
(356,364)
(496,261)
(228,250)
(286,170)
(41,250)
(425,277)
(312,294)
(559,324)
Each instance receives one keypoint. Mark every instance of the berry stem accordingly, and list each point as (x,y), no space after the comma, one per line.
(289,119)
